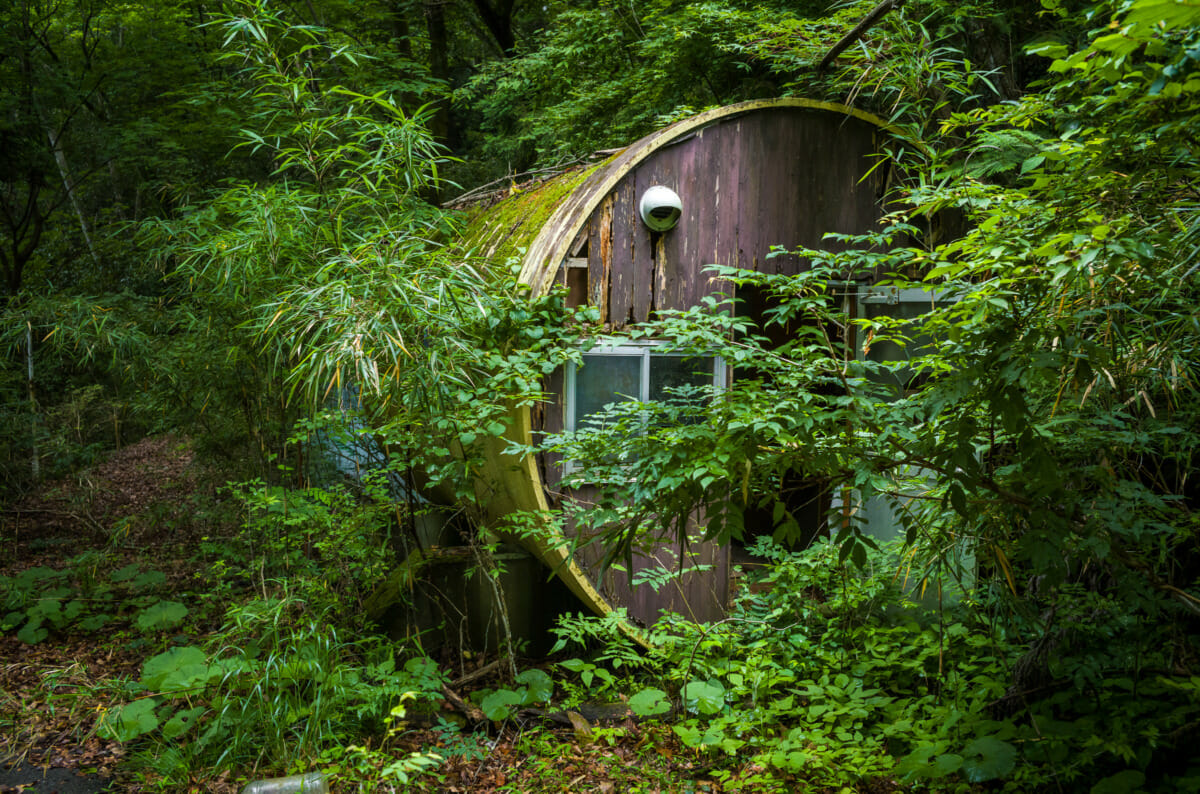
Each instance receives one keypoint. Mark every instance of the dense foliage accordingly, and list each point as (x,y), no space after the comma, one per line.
(225,223)
(1047,425)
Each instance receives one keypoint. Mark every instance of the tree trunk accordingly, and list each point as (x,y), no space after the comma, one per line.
(35,463)
(440,124)
(401,31)
(64,172)
(498,19)
(439,61)
(992,51)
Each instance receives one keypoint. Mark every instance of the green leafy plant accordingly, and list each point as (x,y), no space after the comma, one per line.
(374,767)
(334,541)
(537,687)
(650,702)
(274,689)
(41,600)
(161,615)
(831,674)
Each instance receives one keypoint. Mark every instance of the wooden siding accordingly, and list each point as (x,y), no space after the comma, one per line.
(773,176)
(563,232)
(753,175)
(783,177)
(700,595)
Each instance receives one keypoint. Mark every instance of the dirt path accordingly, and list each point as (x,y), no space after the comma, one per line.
(39,780)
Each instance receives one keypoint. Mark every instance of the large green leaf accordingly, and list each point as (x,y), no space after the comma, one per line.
(182,722)
(178,669)
(1170,14)
(126,723)
(498,705)
(1121,783)
(33,633)
(988,758)
(538,686)
(704,697)
(11,620)
(650,702)
(162,615)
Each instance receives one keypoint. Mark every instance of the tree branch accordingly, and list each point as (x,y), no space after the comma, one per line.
(857,32)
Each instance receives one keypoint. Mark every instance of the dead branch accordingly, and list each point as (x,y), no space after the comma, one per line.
(857,32)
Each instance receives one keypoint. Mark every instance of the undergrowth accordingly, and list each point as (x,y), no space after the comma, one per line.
(825,675)
(822,676)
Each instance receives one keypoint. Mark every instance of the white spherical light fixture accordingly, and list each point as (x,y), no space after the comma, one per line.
(660,208)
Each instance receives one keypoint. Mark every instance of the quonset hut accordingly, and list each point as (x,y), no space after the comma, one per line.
(632,236)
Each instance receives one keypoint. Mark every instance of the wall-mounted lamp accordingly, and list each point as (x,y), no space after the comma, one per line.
(660,208)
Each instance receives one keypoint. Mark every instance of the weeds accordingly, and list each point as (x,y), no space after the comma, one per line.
(41,600)
(821,676)
(279,688)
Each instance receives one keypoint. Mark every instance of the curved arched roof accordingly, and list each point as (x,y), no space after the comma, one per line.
(555,235)
(549,220)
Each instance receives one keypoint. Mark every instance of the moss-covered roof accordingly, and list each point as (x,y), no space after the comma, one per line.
(536,226)
(502,232)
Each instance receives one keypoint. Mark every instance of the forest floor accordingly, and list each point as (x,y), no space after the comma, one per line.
(53,692)
(139,508)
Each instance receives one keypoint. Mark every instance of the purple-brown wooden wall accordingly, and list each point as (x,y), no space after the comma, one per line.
(784,176)
(775,177)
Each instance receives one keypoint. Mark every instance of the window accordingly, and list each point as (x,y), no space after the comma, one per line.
(879,516)
(904,304)
(632,371)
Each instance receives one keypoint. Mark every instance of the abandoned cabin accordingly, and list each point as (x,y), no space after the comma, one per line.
(632,236)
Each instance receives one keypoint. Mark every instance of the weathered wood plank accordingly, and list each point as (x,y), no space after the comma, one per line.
(600,257)
(622,295)
(701,595)
(549,420)
(723,249)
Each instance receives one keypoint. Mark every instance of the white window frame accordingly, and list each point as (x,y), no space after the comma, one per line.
(926,297)
(647,350)
(880,520)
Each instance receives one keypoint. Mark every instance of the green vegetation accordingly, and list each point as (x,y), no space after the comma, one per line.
(227,226)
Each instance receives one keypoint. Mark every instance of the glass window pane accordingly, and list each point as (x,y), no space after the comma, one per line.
(889,352)
(674,372)
(605,379)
